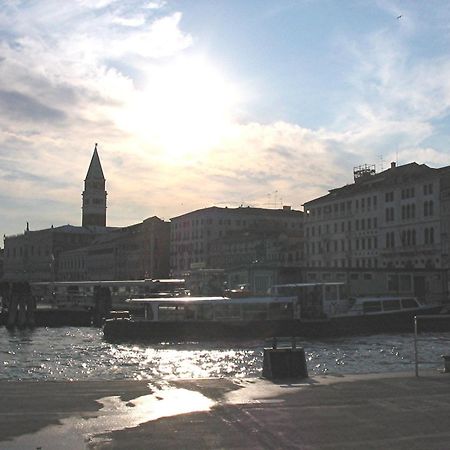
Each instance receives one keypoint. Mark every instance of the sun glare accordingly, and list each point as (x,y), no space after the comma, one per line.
(185,109)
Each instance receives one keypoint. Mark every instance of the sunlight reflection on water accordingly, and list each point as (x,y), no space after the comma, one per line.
(81,353)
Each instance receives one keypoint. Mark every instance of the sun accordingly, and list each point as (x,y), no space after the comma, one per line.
(185,109)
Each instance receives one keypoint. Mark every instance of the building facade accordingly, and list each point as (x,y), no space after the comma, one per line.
(34,255)
(385,233)
(135,252)
(221,238)
(2,256)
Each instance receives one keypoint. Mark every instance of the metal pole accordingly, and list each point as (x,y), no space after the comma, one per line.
(416,356)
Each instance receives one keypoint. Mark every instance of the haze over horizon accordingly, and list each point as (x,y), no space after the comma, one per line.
(199,103)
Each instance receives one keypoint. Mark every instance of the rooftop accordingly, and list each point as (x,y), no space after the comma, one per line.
(244,210)
(392,176)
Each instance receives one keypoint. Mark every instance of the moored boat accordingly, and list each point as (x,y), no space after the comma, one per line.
(313,310)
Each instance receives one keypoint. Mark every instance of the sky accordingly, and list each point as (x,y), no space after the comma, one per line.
(212,102)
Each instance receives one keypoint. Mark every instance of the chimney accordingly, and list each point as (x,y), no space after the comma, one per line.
(286,208)
(393,164)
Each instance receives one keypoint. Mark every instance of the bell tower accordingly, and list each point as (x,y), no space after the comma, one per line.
(94,194)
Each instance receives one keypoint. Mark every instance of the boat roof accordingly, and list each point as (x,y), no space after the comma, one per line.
(146,281)
(332,283)
(383,298)
(215,300)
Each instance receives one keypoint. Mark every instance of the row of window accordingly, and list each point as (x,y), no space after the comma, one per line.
(408,193)
(407,239)
(360,224)
(409,211)
(344,207)
(27,251)
(364,243)
(366,202)
(237,222)
(347,263)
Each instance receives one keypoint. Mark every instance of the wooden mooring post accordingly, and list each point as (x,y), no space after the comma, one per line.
(20,304)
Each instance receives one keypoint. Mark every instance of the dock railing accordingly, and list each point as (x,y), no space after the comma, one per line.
(416,339)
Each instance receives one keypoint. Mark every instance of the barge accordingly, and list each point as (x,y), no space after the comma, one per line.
(316,311)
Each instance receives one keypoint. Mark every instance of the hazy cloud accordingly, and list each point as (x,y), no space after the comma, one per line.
(19,106)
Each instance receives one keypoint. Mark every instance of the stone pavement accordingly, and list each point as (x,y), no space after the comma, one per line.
(380,411)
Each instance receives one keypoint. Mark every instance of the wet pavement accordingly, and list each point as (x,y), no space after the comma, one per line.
(395,411)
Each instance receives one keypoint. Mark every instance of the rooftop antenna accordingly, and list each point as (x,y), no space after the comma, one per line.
(381,162)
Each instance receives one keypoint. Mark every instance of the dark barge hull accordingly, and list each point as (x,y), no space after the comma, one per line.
(116,330)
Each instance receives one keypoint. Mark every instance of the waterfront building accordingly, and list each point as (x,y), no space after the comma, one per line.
(34,254)
(134,252)
(385,233)
(224,238)
(2,255)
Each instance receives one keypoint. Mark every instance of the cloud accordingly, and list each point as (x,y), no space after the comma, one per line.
(75,73)
(17,106)
(58,95)
(395,95)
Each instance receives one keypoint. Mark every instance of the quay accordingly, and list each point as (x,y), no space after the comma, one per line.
(390,411)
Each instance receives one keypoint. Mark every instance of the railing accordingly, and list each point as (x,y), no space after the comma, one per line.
(416,349)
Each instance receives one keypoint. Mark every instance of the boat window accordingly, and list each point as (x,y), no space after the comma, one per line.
(374,306)
(171,312)
(409,303)
(280,311)
(227,312)
(257,311)
(391,305)
(331,292)
(205,312)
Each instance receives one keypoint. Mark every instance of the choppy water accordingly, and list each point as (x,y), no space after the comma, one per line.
(81,353)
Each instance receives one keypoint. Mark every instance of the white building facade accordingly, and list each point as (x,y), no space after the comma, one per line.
(195,236)
(385,233)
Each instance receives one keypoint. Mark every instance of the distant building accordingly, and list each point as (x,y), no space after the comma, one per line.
(134,252)
(34,255)
(385,233)
(2,255)
(94,194)
(224,238)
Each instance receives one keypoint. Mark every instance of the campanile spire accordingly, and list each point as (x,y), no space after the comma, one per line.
(94,194)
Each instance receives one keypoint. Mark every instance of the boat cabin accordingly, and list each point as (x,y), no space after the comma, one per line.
(373,305)
(316,300)
(217,308)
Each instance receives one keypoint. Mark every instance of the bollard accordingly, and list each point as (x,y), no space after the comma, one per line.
(282,363)
(446,363)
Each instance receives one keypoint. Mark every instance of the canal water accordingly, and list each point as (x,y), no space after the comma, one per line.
(81,353)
